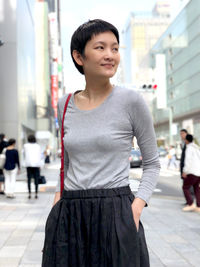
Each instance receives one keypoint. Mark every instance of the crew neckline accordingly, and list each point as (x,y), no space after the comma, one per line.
(93,109)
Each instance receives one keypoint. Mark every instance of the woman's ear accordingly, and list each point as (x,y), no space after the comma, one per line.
(77,57)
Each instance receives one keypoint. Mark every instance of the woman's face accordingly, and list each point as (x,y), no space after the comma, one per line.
(101,56)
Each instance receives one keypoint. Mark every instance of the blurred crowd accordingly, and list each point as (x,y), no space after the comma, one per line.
(10,166)
(185,156)
(188,153)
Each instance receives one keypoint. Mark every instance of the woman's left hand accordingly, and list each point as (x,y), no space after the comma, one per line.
(137,207)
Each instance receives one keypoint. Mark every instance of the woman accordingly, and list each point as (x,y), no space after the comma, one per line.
(96,220)
(3,144)
(10,168)
(32,156)
(47,154)
(171,157)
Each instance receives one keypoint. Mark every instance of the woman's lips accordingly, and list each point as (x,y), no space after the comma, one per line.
(108,65)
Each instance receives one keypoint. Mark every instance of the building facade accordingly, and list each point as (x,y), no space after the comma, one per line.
(180,44)
(25,102)
(17,69)
(139,35)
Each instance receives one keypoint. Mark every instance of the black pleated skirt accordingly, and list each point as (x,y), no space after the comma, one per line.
(94,228)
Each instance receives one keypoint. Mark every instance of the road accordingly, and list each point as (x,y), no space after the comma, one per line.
(169,183)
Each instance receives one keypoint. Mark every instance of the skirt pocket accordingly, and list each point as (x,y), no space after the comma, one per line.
(143,250)
(126,245)
(131,199)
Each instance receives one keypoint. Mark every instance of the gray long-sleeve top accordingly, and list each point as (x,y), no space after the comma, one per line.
(98,143)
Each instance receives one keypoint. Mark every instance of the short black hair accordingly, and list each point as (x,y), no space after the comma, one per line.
(2,136)
(85,32)
(11,142)
(184,130)
(31,138)
(189,138)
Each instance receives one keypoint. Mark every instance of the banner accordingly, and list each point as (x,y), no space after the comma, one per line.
(54,93)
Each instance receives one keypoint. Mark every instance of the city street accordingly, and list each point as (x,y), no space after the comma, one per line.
(169,183)
(98,77)
(173,237)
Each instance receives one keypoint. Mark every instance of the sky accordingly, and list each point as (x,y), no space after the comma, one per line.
(76,12)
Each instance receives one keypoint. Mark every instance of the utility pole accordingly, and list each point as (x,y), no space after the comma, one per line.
(170,125)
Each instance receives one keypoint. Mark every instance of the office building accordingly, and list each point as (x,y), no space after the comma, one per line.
(180,45)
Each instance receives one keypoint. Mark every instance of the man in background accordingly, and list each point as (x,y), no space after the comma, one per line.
(191,174)
(183,134)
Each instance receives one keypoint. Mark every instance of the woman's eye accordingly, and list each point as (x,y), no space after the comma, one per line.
(99,47)
(116,49)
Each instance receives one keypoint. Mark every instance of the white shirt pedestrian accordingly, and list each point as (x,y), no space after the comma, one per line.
(32,153)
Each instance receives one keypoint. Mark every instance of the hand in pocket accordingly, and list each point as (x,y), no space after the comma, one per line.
(136,217)
(137,207)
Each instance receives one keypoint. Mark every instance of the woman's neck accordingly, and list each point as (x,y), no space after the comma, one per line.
(95,89)
(10,147)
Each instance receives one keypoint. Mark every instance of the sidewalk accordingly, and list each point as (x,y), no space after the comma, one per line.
(22,221)
(173,236)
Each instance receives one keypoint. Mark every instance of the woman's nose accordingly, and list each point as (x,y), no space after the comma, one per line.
(108,54)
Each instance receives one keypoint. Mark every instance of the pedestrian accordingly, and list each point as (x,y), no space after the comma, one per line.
(96,220)
(32,156)
(171,157)
(3,144)
(183,134)
(11,167)
(191,174)
(47,154)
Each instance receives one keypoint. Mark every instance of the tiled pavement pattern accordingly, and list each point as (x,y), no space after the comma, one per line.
(173,236)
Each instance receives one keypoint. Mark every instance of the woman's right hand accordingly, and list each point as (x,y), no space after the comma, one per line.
(56,198)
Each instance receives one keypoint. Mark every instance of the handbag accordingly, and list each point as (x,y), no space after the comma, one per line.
(42,180)
(62,147)
(2,159)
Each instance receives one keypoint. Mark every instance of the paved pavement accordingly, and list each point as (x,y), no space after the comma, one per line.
(173,236)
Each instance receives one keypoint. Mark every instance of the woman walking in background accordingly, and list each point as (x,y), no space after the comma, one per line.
(96,220)
(3,144)
(171,157)
(11,167)
(47,154)
(32,156)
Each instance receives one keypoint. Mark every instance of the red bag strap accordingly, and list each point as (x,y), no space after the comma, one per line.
(62,147)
